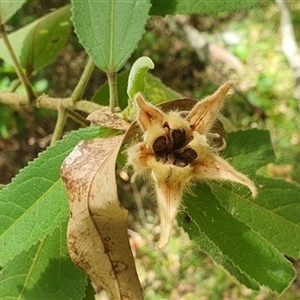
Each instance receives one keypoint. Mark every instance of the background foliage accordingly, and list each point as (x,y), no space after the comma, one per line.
(265,103)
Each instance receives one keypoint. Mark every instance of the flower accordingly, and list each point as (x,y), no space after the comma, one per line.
(175,150)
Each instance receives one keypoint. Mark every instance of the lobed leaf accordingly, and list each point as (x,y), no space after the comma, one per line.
(34,204)
(110,30)
(37,44)
(173,7)
(44,271)
(8,8)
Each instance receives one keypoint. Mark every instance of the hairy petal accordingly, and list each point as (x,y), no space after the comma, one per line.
(205,111)
(169,182)
(216,168)
(168,199)
(147,112)
(137,157)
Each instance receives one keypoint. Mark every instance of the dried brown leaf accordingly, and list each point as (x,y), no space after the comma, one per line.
(97,230)
(104,117)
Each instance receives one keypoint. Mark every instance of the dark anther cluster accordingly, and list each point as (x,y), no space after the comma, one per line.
(172,147)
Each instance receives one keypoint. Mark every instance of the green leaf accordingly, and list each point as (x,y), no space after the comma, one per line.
(249,150)
(211,249)
(247,251)
(156,92)
(173,7)
(274,213)
(110,30)
(8,8)
(238,231)
(37,44)
(89,291)
(136,79)
(45,271)
(33,205)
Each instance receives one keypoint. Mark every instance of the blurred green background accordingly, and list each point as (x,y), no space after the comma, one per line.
(265,100)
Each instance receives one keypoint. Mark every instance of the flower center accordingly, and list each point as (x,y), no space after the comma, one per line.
(173,148)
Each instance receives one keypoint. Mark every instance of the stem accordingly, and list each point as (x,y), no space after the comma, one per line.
(113,93)
(78,118)
(59,126)
(17,65)
(44,101)
(82,83)
(76,96)
(15,85)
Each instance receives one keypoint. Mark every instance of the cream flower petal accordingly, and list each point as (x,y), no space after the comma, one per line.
(147,112)
(169,182)
(168,200)
(205,111)
(216,168)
